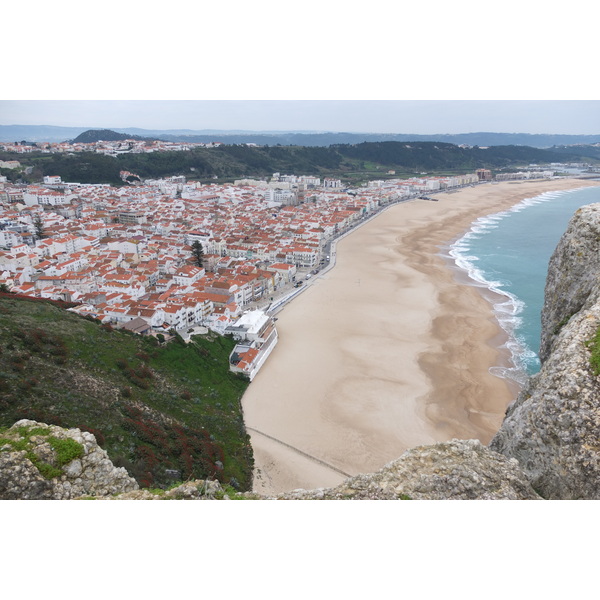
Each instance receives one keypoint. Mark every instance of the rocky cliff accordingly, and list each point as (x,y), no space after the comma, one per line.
(454,470)
(41,462)
(547,447)
(573,273)
(553,428)
(46,462)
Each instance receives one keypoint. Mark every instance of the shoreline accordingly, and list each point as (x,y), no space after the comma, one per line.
(388,350)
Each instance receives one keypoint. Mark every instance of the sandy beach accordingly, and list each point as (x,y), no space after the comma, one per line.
(388,350)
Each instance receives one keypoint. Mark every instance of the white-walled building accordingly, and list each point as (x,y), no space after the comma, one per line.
(187,275)
(257,335)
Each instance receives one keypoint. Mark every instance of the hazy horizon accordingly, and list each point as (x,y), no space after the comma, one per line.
(423,117)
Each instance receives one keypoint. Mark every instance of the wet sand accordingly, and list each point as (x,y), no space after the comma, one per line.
(388,350)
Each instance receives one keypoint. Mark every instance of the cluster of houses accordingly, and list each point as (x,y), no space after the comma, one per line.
(111,148)
(123,255)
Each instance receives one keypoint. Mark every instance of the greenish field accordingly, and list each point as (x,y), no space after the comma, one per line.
(166,413)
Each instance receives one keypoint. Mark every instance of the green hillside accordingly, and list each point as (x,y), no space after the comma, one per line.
(353,163)
(166,413)
(108,135)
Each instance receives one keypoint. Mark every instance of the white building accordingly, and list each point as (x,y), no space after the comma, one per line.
(44,197)
(329,182)
(287,197)
(8,239)
(258,336)
(187,275)
(309,180)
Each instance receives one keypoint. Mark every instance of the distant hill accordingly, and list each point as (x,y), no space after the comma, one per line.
(106,135)
(592,152)
(46,133)
(335,138)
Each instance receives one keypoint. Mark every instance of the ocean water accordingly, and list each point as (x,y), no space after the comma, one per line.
(508,252)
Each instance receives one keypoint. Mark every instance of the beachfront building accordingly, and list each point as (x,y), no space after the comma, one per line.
(286,270)
(524,175)
(257,337)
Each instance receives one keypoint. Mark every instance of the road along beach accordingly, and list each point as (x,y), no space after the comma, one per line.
(388,350)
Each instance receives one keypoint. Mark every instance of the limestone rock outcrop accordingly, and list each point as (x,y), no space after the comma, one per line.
(199,489)
(46,462)
(572,274)
(454,470)
(553,427)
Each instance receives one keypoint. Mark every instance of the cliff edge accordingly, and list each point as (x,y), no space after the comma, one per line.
(553,427)
(573,272)
(46,462)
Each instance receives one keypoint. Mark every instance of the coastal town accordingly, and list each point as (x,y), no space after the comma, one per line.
(108,147)
(124,255)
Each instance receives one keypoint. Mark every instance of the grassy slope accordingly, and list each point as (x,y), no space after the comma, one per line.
(151,407)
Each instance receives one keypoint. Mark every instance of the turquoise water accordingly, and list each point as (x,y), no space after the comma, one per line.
(508,252)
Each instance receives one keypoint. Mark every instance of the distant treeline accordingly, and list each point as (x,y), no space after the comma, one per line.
(238,161)
(47,133)
(333,138)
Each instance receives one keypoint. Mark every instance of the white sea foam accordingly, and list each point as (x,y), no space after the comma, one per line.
(509,307)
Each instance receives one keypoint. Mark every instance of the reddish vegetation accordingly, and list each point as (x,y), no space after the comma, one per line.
(166,446)
(140,376)
(97,434)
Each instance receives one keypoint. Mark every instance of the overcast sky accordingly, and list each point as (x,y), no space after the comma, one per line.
(408,116)
(261,66)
